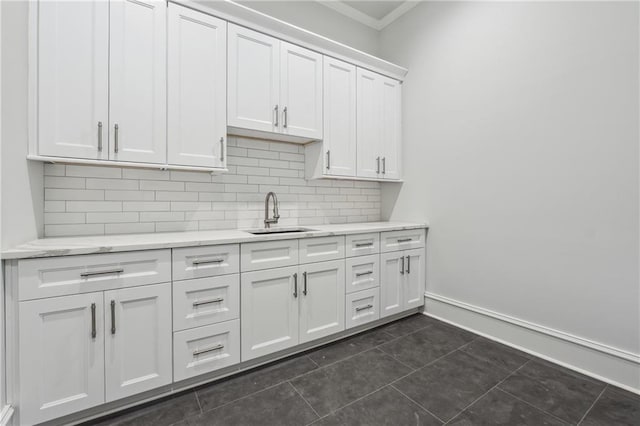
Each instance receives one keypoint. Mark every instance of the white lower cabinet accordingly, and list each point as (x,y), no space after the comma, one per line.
(362,307)
(402,281)
(205,349)
(61,356)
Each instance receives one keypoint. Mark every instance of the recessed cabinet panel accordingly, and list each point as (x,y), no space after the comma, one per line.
(254,80)
(391,284)
(321,248)
(197,88)
(362,244)
(269,254)
(73,79)
(138,64)
(402,240)
(61,356)
(390,149)
(415,279)
(137,340)
(363,272)
(362,307)
(205,261)
(369,163)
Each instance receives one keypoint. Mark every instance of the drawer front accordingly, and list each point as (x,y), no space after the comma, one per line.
(363,244)
(205,301)
(207,261)
(321,249)
(362,307)
(269,254)
(402,240)
(58,276)
(205,349)
(363,272)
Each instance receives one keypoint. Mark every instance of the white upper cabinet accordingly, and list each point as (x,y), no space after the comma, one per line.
(254,80)
(197,88)
(369,124)
(339,118)
(390,148)
(300,91)
(70,108)
(137,107)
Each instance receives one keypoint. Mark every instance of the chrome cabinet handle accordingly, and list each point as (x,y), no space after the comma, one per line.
(328,159)
(206,350)
(295,285)
(284,117)
(111,271)
(378,165)
(408,264)
(113,317)
(93,320)
(304,275)
(207,301)
(275,123)
(99,136)
(222,149)
(404,240)
(384,165)
(402,265)
(360,274)
(115,138)
(370,244)
(206,261)
(362,308)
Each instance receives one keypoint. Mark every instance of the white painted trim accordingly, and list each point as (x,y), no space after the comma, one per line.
(6,415)
(606,363)
(363,18)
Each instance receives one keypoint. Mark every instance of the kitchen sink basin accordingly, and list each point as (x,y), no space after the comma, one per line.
(277,230)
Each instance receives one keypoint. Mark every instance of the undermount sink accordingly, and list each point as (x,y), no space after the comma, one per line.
(277,230)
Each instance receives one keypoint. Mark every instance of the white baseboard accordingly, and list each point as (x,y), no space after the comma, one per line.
(6,414)
(611,365)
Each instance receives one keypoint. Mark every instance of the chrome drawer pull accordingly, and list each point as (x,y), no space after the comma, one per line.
(402,265)
(208,301)
(408,264)
(404,240)
(206,350)
(370,244)
(362,308)
(113,317)
(204,262)
(93,320)
(359,274)
(111,271)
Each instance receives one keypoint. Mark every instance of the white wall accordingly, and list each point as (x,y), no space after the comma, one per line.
(21,183)
(521,149)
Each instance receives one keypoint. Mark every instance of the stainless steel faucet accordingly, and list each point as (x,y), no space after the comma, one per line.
(276,216)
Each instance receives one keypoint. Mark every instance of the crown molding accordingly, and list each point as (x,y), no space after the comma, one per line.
(363,18)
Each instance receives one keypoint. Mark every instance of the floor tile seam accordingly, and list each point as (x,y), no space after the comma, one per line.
(534,406)
(244,397)
(321,367)
(592,405)
(485,394)
(305,400)
(416,403)
(428,364)
(496,365)
(311,359)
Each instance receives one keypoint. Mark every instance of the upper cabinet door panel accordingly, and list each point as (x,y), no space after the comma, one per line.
(300,91)
(339,117)
(369,124)
(253,80)
(197,88)
(391,127)
(138,81)
(72,78)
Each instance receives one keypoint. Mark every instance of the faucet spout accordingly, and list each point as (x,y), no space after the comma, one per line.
(276,216)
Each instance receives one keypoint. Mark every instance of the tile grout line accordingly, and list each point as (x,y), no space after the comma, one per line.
(593,405)
(533,406)
(198,401)
(305,400)
(484,394)
(416,403)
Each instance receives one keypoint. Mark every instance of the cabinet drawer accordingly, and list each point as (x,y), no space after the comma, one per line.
(362,307)
(269,254)
(205,349)
(58,276)
(363,244)
(402,240)
(204,301)
(208,261)
(321,249)
(363,272)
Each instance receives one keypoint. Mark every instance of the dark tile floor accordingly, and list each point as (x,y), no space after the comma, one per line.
(416,371)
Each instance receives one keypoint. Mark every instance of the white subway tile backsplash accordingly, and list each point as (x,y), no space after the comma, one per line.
(87,200)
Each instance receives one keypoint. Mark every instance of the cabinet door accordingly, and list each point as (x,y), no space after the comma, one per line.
(391,127)
(322,297)
(269,311)
(197,88)
(61,358)
(391,283)
(414,278)
(138,64)
(254,78)
(300,91)
(137,339)
(339,117)
(73,78)
(369,124)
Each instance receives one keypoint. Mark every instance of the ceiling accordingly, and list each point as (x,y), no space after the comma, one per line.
(375,14)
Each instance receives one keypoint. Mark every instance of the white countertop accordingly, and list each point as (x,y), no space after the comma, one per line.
(67,246)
